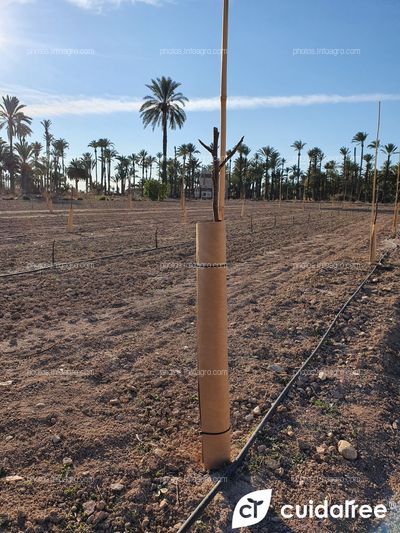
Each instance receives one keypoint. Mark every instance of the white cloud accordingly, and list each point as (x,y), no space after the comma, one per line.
(42,104)
(99,5)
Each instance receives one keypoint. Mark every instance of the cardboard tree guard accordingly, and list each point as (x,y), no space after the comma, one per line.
(212,343)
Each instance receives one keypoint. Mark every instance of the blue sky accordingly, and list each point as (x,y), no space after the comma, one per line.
(277,95)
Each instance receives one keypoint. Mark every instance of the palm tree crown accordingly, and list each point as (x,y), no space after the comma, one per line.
(164,107)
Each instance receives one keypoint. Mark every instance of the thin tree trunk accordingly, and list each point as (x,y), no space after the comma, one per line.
(165,141)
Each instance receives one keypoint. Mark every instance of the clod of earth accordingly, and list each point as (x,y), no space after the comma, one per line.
(89,507)
(117,487)
(11,479)
(347,450)
(276,368)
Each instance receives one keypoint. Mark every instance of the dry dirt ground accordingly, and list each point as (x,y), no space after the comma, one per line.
(99,409)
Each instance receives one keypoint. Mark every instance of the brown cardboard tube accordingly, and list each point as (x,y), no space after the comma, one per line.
(70,219)
(212,343)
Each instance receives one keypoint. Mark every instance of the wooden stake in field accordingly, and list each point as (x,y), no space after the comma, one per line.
(70,219)
(243,195)
(396,203)
(212,325)
(183,199)
(374,206)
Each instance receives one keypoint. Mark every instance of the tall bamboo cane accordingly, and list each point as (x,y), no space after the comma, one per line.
(396,203)
(374,212)
(224,78)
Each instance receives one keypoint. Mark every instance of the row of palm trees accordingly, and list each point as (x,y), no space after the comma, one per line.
(267,176)
(264,175)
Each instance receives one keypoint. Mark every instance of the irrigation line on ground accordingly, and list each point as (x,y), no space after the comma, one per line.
(148,306)
(57,266)
(82,233)
(60,266)
(231,470)
(131,252)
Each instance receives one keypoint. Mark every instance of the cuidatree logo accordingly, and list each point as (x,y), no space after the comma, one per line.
(252,508)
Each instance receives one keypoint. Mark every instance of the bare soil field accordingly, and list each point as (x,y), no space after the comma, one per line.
(99,409)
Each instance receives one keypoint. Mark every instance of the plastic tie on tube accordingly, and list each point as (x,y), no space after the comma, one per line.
(219,433)
(211,265)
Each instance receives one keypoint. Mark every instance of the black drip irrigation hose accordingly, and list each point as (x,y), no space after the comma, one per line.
(61,266)
(231,470)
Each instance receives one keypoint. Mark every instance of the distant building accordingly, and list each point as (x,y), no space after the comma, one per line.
(205,188)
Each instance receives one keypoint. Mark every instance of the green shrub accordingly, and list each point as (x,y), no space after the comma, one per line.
(155,190)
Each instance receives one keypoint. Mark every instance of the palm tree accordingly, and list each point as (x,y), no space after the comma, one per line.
(25,158)
(266,152)
(373,144)
(88,162)
(368,158)
(13,118)
(359,138)
(164,107)
(183,152)
(142,161)
(274,164)
(109,155)
(345,152)
(48,138)
(243,152)
(36,149)
(94,144)
(61,146)
(122,173)
(4,160)
(76,171)
(191,150)
(389,150)
(298,147)
(103,144)
(159,163)
(331,176)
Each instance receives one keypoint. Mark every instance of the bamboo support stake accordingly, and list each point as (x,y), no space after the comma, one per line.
(374,210)
(224,78)
(396,203)
(53,253)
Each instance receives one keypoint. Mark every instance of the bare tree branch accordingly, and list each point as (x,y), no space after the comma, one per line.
(227,159)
